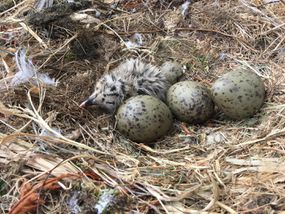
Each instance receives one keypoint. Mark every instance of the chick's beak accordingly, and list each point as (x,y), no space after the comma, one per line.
(88,102)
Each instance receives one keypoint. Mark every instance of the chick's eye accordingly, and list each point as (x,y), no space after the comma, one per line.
(113,88)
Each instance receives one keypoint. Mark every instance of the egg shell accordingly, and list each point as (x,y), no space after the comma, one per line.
(190,102)
(172,71)
(239,93)
(143,119)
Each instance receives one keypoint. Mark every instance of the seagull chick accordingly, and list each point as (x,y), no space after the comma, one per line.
(131,78)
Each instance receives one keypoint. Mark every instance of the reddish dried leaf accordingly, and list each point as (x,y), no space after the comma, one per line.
(185,129)
(29,197)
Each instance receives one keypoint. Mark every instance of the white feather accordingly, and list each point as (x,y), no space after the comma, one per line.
(41,4)
(104,200)
(27,71)
(135,41)
(185,7)
(25,66)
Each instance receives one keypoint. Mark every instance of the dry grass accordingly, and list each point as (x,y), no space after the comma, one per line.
(242,172)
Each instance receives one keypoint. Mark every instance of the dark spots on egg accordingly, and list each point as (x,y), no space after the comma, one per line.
(142,119)
(244,100)
(235,89)
(239,98)
(183,101)
(190,101)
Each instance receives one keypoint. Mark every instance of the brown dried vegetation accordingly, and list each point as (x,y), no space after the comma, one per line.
(222,166)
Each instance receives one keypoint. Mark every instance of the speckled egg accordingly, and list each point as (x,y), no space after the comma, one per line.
(172,71)
(190,102)
(143,119)
(239,93)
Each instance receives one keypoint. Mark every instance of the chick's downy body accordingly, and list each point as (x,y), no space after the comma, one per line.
(130,78)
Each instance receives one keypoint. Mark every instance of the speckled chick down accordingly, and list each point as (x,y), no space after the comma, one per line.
(190,102)
(131,78)
(239,93)
(143,118)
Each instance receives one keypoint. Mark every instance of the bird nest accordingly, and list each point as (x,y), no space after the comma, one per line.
(58,158)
